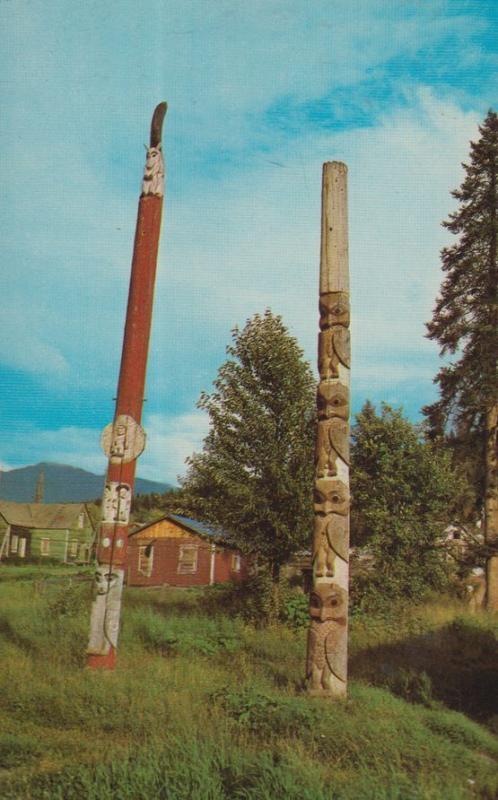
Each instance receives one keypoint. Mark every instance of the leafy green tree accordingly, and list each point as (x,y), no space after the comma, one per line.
(403,490)
(254,476)
(465,324)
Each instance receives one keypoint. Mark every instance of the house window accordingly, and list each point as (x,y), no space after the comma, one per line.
(81,520)
(145,560)
(187,559)
(22,547)
(14,540)
(235,563)
(45,547)
(73,548)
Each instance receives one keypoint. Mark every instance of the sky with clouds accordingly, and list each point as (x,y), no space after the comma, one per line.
(260,94)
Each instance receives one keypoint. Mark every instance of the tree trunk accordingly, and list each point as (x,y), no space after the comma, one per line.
(491,509)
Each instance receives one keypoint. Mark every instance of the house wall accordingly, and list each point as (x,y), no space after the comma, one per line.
(166,553)
(79,542)
(224,566)
(64,545)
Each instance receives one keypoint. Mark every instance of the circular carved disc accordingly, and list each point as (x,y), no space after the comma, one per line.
(123,440)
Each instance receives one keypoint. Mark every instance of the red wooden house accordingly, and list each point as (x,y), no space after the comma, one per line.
(178,551)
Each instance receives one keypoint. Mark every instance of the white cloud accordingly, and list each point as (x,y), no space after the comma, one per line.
(170,440)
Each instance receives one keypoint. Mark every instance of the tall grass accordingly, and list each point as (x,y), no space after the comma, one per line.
(204,706)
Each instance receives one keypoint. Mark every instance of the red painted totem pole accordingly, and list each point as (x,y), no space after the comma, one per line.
(124,439)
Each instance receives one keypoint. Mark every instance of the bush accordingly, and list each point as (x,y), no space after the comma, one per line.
(295,612)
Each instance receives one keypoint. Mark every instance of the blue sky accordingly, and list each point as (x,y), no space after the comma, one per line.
(259,94)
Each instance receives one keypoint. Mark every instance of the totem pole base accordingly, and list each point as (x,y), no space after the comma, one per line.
(334,694)
(102,662)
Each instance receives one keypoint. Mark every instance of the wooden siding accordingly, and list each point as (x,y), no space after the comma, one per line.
(166,557)
(58,539)
(162,529)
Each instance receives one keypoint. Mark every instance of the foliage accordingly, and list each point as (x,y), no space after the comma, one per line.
(200,637)
(402,493)
(465,318)
(295,612)
(151,506)
(254,476)
(252,601)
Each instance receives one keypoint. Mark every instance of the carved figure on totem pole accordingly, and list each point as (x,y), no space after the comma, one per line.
(116,502)
(327,645)
(153,180)
(106,608)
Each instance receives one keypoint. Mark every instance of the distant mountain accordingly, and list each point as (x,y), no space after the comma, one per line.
(63,484)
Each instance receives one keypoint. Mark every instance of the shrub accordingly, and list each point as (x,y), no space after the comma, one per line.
(295,612)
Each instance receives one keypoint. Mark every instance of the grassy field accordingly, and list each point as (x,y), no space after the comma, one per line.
(204,707)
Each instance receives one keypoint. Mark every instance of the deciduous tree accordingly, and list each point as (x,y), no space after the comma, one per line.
(402,491)
(254,476)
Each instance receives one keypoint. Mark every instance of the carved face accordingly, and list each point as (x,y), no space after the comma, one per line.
(105,580)
(153,162)
(334,309)
(328,601)
(331,497)
(333,400)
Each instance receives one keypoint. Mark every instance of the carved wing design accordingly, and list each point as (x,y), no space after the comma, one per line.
(339,438)
(342,345)
(338,536)
(336,650)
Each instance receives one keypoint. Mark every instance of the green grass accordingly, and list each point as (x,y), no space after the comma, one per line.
(42,572)
(206,707)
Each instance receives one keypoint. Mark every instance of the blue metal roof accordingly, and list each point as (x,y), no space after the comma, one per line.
(198,527)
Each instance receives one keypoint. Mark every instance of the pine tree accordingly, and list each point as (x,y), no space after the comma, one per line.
(465,324)
(254,477)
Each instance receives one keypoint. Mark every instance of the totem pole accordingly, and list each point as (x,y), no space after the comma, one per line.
(124,439)
(326,669)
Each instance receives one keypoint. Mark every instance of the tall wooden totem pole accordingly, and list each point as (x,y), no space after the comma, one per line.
(326,671)
(124,439)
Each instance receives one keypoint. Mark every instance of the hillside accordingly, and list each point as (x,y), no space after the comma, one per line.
(203,706)
(63,484)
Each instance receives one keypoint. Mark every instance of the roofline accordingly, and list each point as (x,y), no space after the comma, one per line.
(34,526)
(171,517)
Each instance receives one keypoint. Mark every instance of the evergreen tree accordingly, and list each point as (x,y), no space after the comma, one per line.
(465,324)
(254,477)
(402,491)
